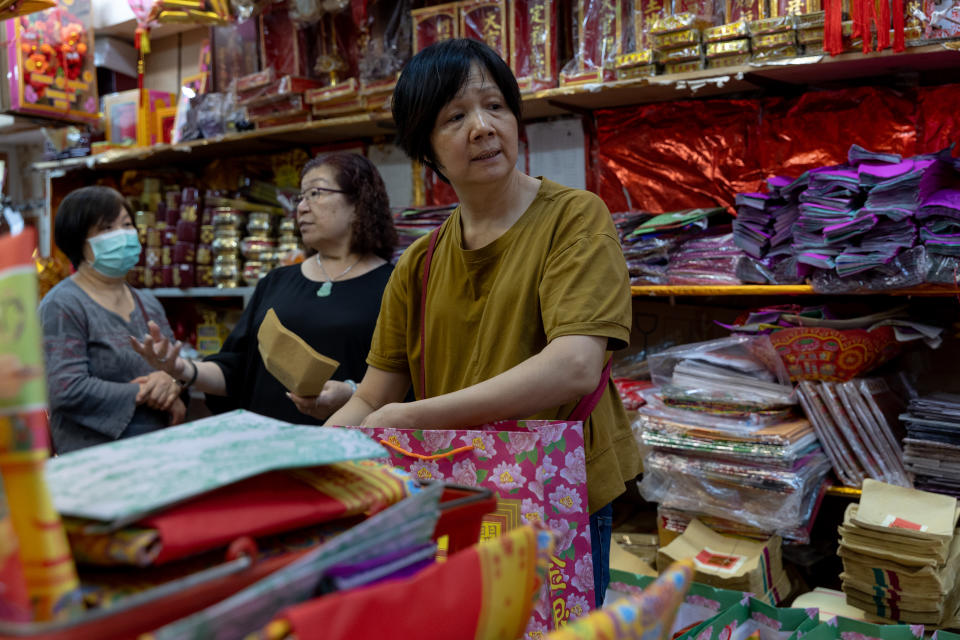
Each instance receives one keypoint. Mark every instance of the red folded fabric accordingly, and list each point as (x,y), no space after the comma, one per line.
(269,503)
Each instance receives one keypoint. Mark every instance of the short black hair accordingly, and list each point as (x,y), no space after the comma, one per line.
(433,78)
(372,230)
(82,210)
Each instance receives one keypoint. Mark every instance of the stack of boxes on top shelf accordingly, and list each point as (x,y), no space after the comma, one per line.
(169,230)
(243,247)
(524,34)
(197,240)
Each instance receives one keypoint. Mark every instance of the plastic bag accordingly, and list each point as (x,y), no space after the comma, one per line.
(388,47)
(766,498)
(738,369)
(909,269)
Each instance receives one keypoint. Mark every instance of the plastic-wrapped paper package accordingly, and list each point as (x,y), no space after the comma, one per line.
(909,269)
(595,42)
(681,439)
(749,419)
(943,269)
(388,46)
(763,497)
(738,369)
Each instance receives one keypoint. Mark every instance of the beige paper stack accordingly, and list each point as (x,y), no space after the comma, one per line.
(901,555)
(730,563)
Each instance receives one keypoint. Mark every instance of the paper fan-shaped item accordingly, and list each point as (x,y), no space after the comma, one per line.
(291,360)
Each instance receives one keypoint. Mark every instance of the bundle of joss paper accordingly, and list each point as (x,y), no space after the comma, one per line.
(725,444)
(709,259)
(932,446)
(650,240)
(853,225)
(901,555)
(238,508)
(413,223)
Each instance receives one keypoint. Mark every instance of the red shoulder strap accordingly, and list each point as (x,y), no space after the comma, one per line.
(589,402)
(423,312)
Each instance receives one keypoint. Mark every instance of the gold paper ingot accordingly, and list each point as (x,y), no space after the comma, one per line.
(727,31)
(291,360)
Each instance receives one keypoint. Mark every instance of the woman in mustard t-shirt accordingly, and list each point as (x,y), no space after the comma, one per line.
(527,290)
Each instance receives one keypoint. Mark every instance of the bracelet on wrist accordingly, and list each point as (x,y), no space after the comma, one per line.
(193,378)
(352,385)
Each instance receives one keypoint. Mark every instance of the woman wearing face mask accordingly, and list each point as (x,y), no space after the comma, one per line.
(99,388)
(331,299)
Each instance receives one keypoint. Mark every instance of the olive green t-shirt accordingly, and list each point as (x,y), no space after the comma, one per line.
(557,271)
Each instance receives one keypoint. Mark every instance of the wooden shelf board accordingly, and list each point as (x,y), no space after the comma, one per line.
(770,290)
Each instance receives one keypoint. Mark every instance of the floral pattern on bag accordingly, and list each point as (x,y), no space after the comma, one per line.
(538,470)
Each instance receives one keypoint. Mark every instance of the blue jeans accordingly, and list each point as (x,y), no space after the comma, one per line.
(601,531)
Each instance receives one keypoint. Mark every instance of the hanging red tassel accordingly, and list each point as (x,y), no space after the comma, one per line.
(898,26)
(868,16)
(883,26)
(833,26)
(857,18)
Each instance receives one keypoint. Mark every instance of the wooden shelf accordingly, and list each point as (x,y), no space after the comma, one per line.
(204,292)
(769,290)
(790,73)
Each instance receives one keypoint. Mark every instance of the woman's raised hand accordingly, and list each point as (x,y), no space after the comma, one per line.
(157,350)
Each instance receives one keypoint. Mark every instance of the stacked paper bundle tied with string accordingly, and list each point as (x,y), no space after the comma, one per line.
(901,555)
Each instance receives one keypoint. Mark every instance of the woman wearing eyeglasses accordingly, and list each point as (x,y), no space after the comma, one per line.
(331,299)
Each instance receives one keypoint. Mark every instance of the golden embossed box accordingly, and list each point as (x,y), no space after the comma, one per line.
(729,31)
(728,48)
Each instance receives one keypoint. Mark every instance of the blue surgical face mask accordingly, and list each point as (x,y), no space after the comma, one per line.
(115,252)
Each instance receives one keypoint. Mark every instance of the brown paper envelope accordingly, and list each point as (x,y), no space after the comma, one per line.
(889,538)
(885,506)
(721,560)
(935,549)
(872,588)
(903,600)
(901,556)
(904,615)
(291,360)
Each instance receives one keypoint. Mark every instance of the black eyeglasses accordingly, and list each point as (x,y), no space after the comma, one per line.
(312,195)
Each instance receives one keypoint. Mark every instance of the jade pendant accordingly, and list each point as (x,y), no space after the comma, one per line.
(325,289)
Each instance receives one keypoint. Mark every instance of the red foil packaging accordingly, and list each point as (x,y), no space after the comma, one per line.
(486,20)
(166,276)
(183,276)
(433,24)
(187,231)
(747,10)
(184,252)
(533,44)
(283,47)
(595,43)
(645,12)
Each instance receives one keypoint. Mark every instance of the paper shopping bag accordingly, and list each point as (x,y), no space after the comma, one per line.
(538,470)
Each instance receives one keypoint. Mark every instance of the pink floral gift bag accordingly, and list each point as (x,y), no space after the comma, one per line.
(538,470)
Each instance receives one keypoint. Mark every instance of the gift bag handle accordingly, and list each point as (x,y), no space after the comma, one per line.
(580,412)
(420,456)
